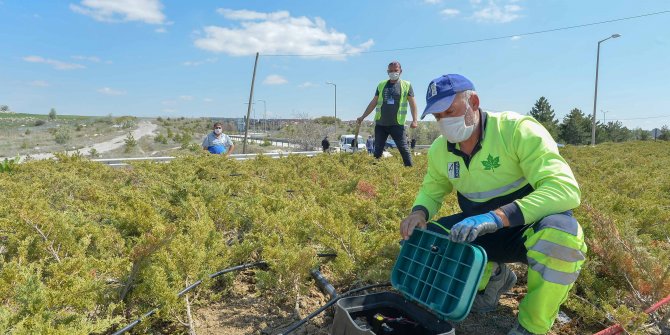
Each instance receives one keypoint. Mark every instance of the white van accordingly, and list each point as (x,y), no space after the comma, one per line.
(345,143)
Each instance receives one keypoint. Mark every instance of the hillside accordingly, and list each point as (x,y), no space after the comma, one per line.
(87,248)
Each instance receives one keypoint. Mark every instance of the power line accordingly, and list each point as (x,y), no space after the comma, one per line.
(472,41)
(645,118)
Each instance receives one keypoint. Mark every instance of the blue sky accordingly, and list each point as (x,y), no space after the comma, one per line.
(195,58)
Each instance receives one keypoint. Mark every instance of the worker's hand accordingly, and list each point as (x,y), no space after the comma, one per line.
(360,120)
(468,229)
(414,124)
(415,219)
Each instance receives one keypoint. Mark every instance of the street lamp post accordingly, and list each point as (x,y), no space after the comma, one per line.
(334,85)
(265,114)
(595,95)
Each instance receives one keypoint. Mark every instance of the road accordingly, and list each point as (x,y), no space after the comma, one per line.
(144,128)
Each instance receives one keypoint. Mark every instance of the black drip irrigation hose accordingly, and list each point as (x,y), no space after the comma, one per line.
(189,288)
(331,302)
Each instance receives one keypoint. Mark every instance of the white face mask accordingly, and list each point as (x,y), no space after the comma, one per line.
(394,75)
(217,131)
(455,129)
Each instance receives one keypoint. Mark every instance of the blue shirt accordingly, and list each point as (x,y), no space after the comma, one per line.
(217,145)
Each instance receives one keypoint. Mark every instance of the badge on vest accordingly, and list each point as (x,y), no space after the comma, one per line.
(454,169)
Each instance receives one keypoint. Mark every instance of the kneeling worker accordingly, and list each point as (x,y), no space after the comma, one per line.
(516,194)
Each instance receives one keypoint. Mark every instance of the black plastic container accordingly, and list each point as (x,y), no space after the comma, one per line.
(386,313)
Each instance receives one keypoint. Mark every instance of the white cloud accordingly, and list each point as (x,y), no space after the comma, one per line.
(58,65)
(307,84)
(274,79)
(148,11)
(433,2)
(515,38)
(110,91)
(494,13)
(92,59)
(207,99)
(160,30)
(200,62)
(276,33)
(169,102)
(186,97)
(39,83)
(450,12)
(169,110)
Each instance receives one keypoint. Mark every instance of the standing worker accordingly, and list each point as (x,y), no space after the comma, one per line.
(217,142)
(390,102)
(370,144)
(325,144)
(516,194)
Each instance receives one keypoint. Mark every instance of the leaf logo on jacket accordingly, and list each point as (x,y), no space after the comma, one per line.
(491,163)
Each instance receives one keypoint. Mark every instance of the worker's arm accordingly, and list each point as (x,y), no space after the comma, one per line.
(369,109)
(412,107)
(554,184)
(230,151)
(434,188)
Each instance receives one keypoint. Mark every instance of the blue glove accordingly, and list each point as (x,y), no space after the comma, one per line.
(468,229)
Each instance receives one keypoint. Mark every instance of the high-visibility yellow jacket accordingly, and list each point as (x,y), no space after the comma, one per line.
(402,108)
(515,166)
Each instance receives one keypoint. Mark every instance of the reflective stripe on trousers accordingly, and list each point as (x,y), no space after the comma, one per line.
(556,253)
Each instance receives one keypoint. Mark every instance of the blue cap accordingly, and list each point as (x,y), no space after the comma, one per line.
(442,90)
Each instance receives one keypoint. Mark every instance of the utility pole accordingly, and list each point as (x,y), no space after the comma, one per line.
(265,114)
(595,94)
(604,116)
(335,86)
(251,98)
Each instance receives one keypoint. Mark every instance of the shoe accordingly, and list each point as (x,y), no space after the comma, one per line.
(519,330)
(487,301)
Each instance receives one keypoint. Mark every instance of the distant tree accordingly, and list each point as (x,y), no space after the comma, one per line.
(616,132)
(131,143)
(664,134)
(543,113)
(326,120)
(575,128)
(160,139)
(306,132)
(641,134)
(94,153)
(52,114)
(425,132)
(4,108)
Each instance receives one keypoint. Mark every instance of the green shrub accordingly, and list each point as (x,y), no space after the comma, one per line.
(130,143)
(61,135)
(160,139)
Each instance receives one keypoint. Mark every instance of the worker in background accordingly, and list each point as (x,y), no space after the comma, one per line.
(390,103)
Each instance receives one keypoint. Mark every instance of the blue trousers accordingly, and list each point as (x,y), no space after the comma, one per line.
(397,132)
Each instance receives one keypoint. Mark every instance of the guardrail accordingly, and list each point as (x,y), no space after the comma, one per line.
(165,159)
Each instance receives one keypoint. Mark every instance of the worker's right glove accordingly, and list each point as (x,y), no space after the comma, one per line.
(468,229)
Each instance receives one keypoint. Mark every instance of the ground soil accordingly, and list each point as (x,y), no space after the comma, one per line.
(244,311)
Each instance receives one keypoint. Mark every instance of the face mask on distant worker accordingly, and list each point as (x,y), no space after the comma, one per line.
(217,131)
(454,128)
(394,75)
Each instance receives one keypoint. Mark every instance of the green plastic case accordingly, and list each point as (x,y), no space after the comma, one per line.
(438,274)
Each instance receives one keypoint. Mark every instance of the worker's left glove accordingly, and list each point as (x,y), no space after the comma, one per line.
(468,229)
